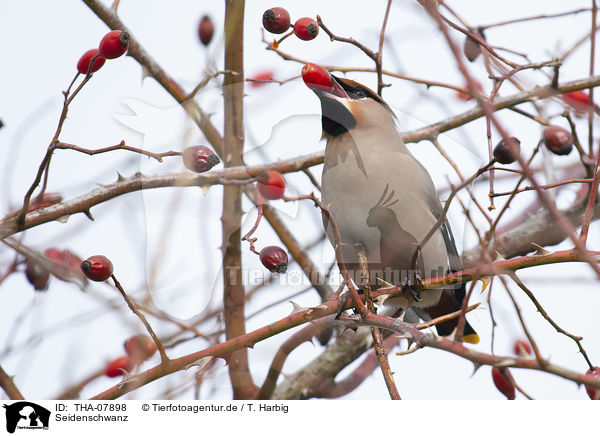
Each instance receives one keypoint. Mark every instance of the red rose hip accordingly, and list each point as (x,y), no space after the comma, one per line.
(271,185)
(558,140)
(199,158)
(114,44)
(504,154)
(593,393)
(261,79)
(84,61)
(37,275)
(522,348)
(140,347)
(97,268)
(276,20)
(206,30)
(117,367)
(466,97)
(274,259)
(578,100)
(306,28)
(503,384)
(64,257)
(317,77)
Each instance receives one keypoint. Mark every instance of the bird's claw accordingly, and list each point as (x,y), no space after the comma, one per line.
(412,287)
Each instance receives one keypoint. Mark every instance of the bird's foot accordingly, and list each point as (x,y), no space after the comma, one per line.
(411,288)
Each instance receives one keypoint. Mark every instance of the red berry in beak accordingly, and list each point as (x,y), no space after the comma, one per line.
(271,185)
(97,268)
(116,367)
(503,152)
(594,394)
(306,28)
(206,29)
(317,77)
(199,158)
(558,140)
(140,347)
(114,44)
(503,383)
(84,61)
(276,20)
(274,259)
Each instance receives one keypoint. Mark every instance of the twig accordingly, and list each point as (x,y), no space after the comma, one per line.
(120,146)
(380,351)
(224,349)
(304,335)
(259,215)
(532,18)
(360,373)
(46,161)
(591,90)
(378,62)
(550,186)
(8,385)
(589,209)
(366,50)
(358,304)
(72,392)
(543,312)
(163,354)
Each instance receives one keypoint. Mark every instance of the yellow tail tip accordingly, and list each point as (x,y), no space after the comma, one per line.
(473,338)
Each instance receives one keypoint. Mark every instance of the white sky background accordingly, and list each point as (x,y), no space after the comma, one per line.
(54,339)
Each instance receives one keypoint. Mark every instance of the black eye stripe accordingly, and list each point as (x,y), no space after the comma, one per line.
(356,91)
(360,92)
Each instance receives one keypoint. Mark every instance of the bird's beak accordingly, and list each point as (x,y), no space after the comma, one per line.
(321,82)
(336,89)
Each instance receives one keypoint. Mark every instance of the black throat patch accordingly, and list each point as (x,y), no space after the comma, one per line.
(336,118)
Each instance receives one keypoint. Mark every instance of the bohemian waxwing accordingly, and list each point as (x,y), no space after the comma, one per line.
(381,197)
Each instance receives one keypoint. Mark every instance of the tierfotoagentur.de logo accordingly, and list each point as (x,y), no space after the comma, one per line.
(24,415)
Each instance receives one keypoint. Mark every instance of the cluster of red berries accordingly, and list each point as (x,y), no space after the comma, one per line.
(277,20)
(556,139)
(138,348)
(271,186)
(112,45)
(39,275)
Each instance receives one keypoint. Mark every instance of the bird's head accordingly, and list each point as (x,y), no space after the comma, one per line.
(346,104)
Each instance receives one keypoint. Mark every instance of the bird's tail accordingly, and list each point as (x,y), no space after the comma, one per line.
(451,301)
